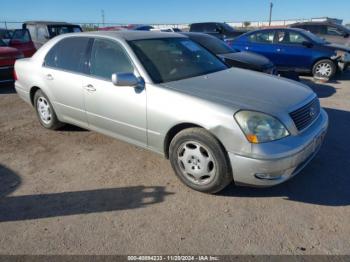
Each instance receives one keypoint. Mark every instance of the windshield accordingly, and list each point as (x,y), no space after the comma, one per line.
(214,45)
(227,27)
(63,29)
(172,59)
(315,38)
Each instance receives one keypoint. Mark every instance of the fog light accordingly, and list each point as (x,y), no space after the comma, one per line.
(269,176)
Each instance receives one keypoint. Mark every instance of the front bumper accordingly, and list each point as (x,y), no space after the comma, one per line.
(6,74)
(248,170)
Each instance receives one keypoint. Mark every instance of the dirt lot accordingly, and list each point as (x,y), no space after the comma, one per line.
(78,192)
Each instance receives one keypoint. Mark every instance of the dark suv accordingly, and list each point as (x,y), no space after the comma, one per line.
(43,31)
(220,30)
(332,32)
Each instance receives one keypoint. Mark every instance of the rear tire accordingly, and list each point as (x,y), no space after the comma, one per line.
(200,161)
(45,112)
(324,69)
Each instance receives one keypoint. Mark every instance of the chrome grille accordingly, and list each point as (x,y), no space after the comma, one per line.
(304,116)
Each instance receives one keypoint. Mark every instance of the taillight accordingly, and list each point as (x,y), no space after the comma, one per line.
(15,75)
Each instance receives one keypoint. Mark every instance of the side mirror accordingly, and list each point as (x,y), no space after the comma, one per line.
(346,35)
(307,44)
(125,79)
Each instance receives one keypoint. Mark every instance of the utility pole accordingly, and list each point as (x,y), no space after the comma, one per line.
(271,7)
(103,16)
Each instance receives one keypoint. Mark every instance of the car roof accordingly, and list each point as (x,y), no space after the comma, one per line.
(315,23)
(48,23)
(129,35)
(277,28)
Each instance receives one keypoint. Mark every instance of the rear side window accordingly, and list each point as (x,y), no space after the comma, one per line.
(107,58)
(262,37)
(68,54)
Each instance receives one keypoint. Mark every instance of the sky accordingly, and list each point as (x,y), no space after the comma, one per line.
(167,11)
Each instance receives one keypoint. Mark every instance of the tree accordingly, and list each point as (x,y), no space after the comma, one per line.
(246,24)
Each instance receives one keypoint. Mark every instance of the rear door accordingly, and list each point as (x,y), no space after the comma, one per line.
(291,53)
(63,68)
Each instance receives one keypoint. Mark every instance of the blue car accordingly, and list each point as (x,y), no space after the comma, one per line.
(296,50)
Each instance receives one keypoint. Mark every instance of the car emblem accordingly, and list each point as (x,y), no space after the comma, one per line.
(312,111)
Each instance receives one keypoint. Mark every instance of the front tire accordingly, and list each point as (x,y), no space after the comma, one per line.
(45,112)
(200,161)
(324,69)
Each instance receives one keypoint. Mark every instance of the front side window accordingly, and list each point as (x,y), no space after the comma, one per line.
(68,54)
(288,37)
(172,59)
(262,37)
(107,58)
(2,43)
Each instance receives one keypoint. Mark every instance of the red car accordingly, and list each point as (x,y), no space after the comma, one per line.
(23,42)
(19,46)
(8,56)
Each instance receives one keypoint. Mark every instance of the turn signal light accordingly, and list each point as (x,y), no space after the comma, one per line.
(253,139)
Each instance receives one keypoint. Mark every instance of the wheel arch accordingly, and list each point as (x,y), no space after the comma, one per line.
(32,92)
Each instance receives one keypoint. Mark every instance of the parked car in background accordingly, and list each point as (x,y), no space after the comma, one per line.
(22,41)
(168,94)
(232,57)
(8,56)
(171,29)
(42,31)
(5,34)
(220,30)
(296,49)
(331,32)
(140,27)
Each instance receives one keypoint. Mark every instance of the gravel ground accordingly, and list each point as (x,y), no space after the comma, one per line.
(77,192)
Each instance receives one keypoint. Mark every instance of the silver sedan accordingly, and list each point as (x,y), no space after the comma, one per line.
(165,93)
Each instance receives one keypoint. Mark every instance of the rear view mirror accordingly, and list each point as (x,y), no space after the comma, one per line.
(125,79)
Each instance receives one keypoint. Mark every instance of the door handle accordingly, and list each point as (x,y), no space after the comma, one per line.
(247,48)
(90,88)
(49,77)
(279,50)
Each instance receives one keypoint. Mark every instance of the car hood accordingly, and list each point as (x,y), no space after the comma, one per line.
(245,89)
(249,58)
(8,52)
(339,47)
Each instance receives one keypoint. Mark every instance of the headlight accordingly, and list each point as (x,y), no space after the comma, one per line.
(260,128)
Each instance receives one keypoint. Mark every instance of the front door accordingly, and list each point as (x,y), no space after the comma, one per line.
(292,53)
(118,111)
